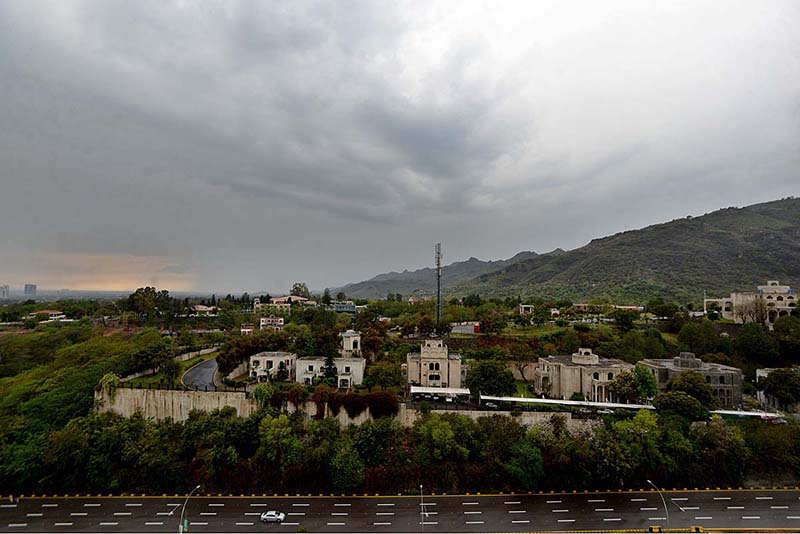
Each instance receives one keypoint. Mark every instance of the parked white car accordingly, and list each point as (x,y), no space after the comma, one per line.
(273,516)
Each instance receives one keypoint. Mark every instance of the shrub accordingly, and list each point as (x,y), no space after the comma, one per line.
(382,404)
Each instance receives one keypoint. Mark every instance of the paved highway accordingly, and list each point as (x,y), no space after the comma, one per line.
(727,510)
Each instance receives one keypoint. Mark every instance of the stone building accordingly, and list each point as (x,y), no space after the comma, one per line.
(349,371)
(351,343)
(726,381)
(434,366)
(767,304)
(586,373)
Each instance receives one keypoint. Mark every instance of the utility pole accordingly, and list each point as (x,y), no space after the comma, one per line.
(439,288)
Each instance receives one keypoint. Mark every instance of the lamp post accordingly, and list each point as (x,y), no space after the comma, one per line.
(183,508)
(666,510)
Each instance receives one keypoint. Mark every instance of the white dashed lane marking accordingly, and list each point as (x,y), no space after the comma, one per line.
(258,504)
(511,502)
(300,504)
(336,524)
(198,523)
(719,498)
(703,518)
(109,523)
(603,509)
(78,514)
(122,513)
(133,504)
(465,504)
(8,505)
(17,525)
(259,513)
(163,513)
(384,513)
(244,524)
(793,517)
(612,519)
(62,524)
(154,523)
(208,513)
(751,517)
(553,502)
(638,500)
(779,507)
(49,505)
(290,513)
(390,504)
(473,522)
(566,520)
(472,512)
(430,522)
(91,505)
(560,511)
(596,500)
(763,498)
(656,518)
(34,514)
(648,509)
(339,513)
(691,507)
(521,522)
(342,504)
(516,511)
(735,507)
(687,498)
(381,524)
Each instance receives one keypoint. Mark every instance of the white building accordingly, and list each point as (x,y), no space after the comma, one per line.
(526,309)
(434,366)
(584,372)
(767,304)
(265,365)
(5,292)
(204,311)
(273,322)
(351,343)
(52,315)
(349,371)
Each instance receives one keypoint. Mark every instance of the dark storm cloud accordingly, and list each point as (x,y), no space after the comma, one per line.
(233,145)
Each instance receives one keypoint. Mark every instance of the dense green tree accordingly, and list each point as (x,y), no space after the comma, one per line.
(300,289)
(347,467)
(490,377)
(754,343)
(694,384)
(682,404)
(624,319)
(384,375)
(783,385)
(787,334)
(634,386)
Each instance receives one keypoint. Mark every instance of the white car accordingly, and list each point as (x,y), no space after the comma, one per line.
(273,517)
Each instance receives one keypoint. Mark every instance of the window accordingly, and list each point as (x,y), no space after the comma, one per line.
(269,364)
(611,376)
(310,368)
(346,368)
(434,377)
(596,376)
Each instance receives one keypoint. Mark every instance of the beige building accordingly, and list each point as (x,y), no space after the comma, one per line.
(726,381)
(586,373)
(765,305)
(273,322)
(434,366)
(351,343)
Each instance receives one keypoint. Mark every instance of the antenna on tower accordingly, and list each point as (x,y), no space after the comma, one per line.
(439,287)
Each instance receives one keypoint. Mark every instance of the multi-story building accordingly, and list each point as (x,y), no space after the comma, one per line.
(351,343)
(342,307)
(526,309)
(265,365)
(726,381)
(434,366)
(247,329)
(52,315)
(5,292)
(30,290)
(584,373)
(273,322)
(199,310)
(765,305)
(349,371)
(282,307)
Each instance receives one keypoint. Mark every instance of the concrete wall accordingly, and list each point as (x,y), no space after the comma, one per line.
(162,404)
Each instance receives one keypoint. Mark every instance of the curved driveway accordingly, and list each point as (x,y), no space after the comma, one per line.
(201,376)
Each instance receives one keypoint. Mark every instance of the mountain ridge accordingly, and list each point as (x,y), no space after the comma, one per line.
(725,250)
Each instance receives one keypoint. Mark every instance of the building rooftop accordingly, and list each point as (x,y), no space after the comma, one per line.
(274,353)
(687,361)
(597,361)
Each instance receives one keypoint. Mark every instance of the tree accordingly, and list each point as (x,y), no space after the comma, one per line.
(385,375)
(660,308)
(699,338)
(340,296)
(754,311)
(694,384)
(473,301)
(282,374)
(624,319)
(787,333)
(634,386)
(347,467)
(490,377)
(680,403)
(300,289)
(263,394)
(326,297)
(783,385)
(754,343)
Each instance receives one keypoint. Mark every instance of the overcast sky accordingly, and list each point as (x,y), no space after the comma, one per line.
(246,145)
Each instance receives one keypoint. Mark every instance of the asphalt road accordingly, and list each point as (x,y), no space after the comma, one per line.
(201,376)
(722,510)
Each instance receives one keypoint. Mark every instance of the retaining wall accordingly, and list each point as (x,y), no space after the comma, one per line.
(179,358)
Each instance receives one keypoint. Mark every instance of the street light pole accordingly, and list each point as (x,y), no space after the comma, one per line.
(666,510)
(183,509)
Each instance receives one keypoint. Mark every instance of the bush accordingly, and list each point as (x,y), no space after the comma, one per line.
(382,404)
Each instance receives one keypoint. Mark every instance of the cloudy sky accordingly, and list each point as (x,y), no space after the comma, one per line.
(247,145)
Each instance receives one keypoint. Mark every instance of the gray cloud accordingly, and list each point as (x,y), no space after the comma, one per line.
(243,145)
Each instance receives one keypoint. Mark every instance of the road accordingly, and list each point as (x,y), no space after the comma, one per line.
(722,510)
(201,376)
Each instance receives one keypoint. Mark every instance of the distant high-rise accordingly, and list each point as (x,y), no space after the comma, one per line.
(5,292)
(30,290)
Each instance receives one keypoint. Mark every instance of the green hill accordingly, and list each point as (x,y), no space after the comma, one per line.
(726,250)
(723,251)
